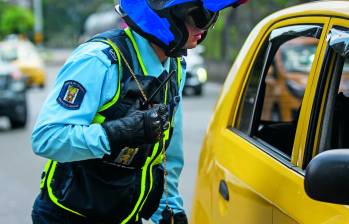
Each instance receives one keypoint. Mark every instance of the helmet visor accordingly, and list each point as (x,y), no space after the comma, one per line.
(212,5)
(201,18)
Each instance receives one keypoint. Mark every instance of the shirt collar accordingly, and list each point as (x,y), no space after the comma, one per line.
(149,57)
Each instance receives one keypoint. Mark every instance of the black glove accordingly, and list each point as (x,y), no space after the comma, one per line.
(137,128)
(178,218)
(131,137)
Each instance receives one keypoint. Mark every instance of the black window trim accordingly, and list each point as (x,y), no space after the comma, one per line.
(337,51)
(315,111)
(334,85)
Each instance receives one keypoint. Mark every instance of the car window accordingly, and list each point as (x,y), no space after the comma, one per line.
(271,102)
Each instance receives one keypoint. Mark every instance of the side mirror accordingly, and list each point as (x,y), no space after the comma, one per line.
(327,177)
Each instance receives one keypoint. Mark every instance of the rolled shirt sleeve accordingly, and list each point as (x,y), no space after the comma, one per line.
(67,134)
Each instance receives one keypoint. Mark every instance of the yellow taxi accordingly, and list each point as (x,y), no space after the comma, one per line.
(22,53)
(259,168)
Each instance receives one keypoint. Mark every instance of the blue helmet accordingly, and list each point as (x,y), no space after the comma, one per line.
(163,21)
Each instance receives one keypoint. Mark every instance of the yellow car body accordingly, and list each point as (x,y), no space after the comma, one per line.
(25,56)
(249,171)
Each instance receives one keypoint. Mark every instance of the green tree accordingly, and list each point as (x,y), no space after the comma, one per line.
(233,26)
(15,20)
(64,20)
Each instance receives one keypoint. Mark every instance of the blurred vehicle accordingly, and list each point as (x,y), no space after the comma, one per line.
(22,53)
(258,168)
(105,18)
(13,103)
(196,75)
(287,77)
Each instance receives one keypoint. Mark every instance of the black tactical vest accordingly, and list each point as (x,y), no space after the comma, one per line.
(101,189)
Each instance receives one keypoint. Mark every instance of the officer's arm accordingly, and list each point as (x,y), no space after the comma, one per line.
(64,131)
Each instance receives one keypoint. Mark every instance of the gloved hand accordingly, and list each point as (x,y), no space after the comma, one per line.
(178,218)
(137,128)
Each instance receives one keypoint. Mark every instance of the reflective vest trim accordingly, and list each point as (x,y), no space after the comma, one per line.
(135,46)
(46,170)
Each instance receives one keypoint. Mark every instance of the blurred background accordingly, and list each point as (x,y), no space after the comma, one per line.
(37,36)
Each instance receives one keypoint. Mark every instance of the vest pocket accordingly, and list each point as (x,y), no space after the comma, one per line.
(98,191)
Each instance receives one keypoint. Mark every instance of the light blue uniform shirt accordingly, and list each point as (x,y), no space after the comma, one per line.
(67,135)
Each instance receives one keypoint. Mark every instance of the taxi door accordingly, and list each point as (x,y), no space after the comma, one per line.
(257,135)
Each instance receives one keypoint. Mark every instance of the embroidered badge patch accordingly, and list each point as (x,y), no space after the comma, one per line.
(126,156)
(71,95)
(111,54)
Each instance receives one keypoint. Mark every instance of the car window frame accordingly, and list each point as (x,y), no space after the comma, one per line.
(274,45)
(306,20)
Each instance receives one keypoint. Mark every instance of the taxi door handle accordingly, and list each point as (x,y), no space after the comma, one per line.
(223,190)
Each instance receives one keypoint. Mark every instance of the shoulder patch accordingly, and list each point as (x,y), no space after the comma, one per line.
(71,95)
(111,54)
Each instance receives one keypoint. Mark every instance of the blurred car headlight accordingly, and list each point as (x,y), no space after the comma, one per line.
(18,86)
(17,82)
(202,74)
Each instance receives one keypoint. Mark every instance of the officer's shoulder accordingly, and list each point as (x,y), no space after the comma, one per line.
(95,50)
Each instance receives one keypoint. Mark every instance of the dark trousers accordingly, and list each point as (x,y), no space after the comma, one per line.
(46,212)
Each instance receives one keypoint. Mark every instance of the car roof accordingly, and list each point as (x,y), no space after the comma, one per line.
(319,8)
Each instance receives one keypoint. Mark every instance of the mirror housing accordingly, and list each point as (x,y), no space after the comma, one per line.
(327,177)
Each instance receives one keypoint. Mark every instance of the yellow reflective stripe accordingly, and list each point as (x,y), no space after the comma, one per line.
(99,119)
(160,157)
(46,169)
(135,46)
(116,97)
(150,187)
(143,184)
(50,191)
(179,71)
(157,161)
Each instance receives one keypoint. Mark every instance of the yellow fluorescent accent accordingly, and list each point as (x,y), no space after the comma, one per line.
(129,34)
(47,167)
(151,176)
(99,119)
(179,71)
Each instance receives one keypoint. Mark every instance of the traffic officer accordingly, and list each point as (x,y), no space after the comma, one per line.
(112,126)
